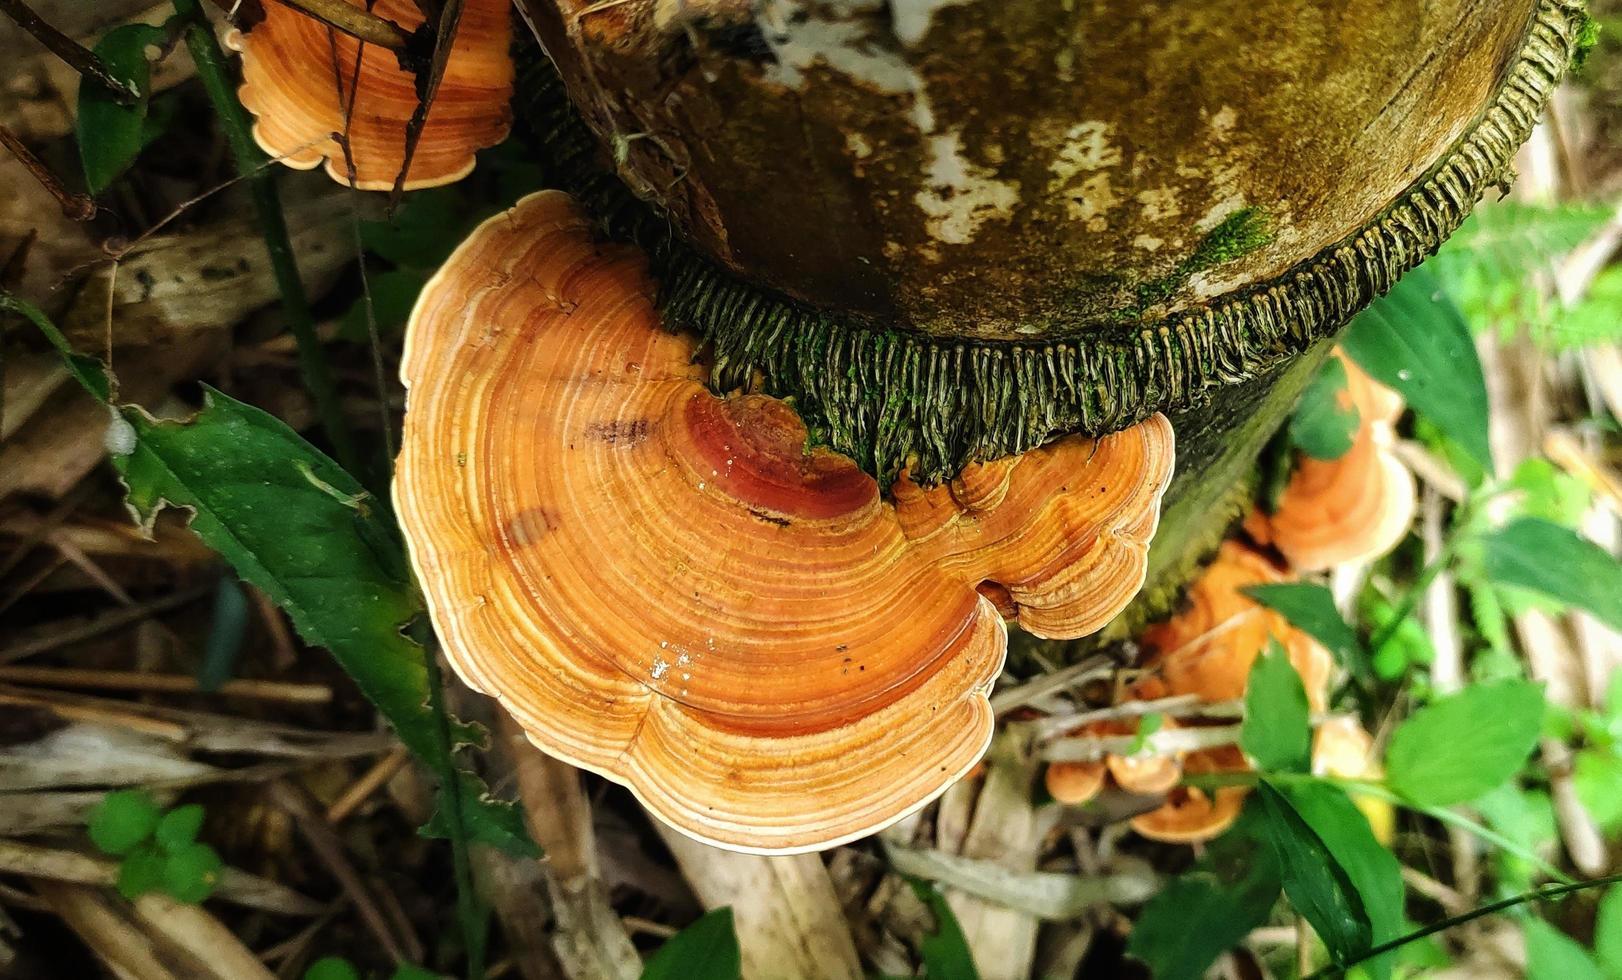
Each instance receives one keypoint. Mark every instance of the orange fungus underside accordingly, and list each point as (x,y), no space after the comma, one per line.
(300,81)
(676,591)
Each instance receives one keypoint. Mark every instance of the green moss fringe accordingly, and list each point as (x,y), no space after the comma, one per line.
(888,398)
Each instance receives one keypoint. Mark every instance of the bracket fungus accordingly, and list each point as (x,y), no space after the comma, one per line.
(680,592)
(304,82)
(1208,648)
(1353,508)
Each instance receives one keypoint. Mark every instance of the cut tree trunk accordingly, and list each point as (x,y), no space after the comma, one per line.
(952,230)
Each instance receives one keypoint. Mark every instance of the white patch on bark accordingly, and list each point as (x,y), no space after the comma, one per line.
(959,196)
(1160,203)
(912,18)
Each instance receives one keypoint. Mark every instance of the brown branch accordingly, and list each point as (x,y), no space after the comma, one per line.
(78,207)
(353,21)
(77,56)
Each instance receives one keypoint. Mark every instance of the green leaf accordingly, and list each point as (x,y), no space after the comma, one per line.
(406,971)
(1276,732)
(708,948)
(191,872)
(1526,819)
(110,135)
(1597,319)
(1325,420)
(424,229)
(394,293)
(1554,561)
(1311,608)
(331,968)
(294,525)
(179,827)
(86,370)
(1147,725)
(1463,745)
(1608,932)
(1553,955)
(1494,265)
(498,823)
(1209,910)
(1372,870)
(1317,886)
(123,820)
(1415,341)
(945,951)
(140,872)
(1597,776)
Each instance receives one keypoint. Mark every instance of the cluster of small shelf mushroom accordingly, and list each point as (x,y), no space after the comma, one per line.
(1351,509)
(680,591)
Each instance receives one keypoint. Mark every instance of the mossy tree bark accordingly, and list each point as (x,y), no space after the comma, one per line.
(956,229)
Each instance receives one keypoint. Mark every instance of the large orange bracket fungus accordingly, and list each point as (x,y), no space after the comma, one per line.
(304,82)
(681,592)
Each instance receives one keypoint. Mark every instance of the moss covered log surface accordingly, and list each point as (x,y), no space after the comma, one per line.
(890,396)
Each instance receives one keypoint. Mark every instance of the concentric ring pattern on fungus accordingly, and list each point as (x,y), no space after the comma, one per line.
(300,80)
(677,591)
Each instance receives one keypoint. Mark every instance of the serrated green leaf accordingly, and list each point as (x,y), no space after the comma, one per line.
(293,524)
(1325,421)
(945,951)
(1553,955)
(123,820)
(1311,608)
(1557,562)
(179,827)
(1276,731)
(497,823)
(1415,341)
(1372,870)
(140,872)
(708,948)
(1463,745)
(1209,910)
(1495,266)
(1317,885)
(111,134)
(191,872)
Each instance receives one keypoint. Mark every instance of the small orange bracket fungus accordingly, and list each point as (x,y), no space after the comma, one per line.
(677,591)
(1208,648)
(1143,774)
(304,82)
(1192,814)
(1354,508)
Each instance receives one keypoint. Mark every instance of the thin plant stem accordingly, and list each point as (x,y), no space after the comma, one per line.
(318,378)
(357,23)
(1416,591)
(78,57)
(379,373)
(470,913)
(1543,894)
(77,207)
